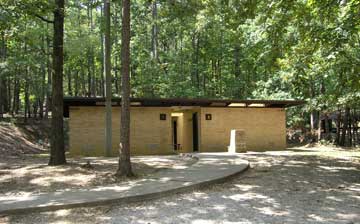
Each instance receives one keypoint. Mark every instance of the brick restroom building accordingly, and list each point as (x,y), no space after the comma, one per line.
(165,126)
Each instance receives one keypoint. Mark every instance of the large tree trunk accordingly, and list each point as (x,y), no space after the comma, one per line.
(107,70)
(327,127)
(57,152)
(124,152)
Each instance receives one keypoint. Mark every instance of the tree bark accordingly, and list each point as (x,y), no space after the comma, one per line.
(124,168)
(154,31)
(107,71)
(49,78)
(76,83)
(57,151)
(327,127)
(338,127)
(343,141)
(27,100)
(2,86)
(102,56)
(16,98)
(70,92)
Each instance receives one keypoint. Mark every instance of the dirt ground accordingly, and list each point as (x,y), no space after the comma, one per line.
(31,174)
(24,158)
(18,139)
(304,185)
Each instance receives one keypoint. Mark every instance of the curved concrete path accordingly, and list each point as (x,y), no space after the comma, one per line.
(211,168)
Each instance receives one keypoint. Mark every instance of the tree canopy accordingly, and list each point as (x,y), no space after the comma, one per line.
(247,49)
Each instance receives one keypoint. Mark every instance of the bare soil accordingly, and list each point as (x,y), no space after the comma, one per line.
(31,174)
(24,158)
(318,185)
(18,139)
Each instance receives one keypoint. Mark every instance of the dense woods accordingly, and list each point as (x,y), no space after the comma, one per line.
(191,48)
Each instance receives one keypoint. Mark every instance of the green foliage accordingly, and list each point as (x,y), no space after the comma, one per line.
(217,49)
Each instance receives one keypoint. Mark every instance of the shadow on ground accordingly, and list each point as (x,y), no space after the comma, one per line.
(292,187)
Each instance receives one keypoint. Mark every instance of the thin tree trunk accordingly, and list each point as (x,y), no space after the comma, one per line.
(338,128)
(102,56)
(107,67)
(9,94)
(15,107)
(343,141)
(77,83)
(154,31)
(2,87)
(69,83)
(49,78)
(57,152)
(124,152)
(43,88)
(27,103)
(1,98)
(350,137)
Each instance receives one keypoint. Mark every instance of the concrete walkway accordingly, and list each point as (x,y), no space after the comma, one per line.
(211,168)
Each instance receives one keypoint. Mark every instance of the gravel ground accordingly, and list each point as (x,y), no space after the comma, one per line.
(303,186)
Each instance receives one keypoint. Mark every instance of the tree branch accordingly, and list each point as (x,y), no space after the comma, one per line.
(43,18)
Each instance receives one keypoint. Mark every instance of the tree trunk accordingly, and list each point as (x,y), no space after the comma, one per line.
(350,136)
(9,94)
(355,128)
(43,88)
(26,97)
(49,78)
(338,128)
(327,127)
(2,87)
(343,141)
(16,98)
(124,152)
(76,83)
(69,83)
(1,97)
(319,129)
(107,70)
(57,152)
(102,56)
(154,31)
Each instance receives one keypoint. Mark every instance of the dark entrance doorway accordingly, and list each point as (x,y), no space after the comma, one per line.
(175,141)
(195,132)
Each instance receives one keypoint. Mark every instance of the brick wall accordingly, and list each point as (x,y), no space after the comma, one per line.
(149,134)
(264,128)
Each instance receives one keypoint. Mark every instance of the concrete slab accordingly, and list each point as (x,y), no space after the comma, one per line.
(211,168)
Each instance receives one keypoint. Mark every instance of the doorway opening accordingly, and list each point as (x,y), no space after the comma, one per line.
(175,135)
(195,132)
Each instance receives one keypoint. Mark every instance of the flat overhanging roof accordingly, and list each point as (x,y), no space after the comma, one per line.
(179,102)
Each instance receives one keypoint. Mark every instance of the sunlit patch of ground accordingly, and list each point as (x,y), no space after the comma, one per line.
(31,174)
(304,185)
